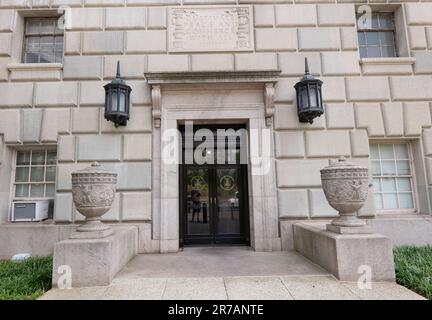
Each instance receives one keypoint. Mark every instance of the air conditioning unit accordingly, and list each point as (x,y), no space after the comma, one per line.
(30,210)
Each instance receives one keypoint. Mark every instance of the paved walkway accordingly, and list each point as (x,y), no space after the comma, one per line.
(229,273)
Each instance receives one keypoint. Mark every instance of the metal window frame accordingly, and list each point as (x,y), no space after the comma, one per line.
(411,177)
(377,30)
(40,35)
(29,183)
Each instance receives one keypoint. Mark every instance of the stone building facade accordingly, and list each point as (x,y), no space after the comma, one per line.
(377,110)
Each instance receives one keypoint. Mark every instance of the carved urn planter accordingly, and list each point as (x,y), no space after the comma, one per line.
(346,187)
(93,191)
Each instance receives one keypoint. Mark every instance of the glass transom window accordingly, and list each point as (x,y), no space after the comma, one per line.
(43,41)
(35,174)
(392,176)
(378,41)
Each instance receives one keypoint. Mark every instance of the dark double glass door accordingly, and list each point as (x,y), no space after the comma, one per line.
(213,204)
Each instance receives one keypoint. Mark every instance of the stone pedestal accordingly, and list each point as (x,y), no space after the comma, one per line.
(91,234)
(349,230)
(343,254)
(95,262)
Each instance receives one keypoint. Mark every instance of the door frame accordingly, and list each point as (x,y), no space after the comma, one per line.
(243,187)
(212,103)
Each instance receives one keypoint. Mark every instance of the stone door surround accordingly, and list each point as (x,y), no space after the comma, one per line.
(208,98)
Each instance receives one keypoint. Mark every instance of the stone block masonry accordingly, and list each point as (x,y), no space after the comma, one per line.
(129,155)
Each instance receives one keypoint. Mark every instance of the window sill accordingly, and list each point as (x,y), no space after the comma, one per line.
(18,224)
(397,213)
(35,71)
(385,66)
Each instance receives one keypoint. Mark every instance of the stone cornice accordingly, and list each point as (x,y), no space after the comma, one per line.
(200,77)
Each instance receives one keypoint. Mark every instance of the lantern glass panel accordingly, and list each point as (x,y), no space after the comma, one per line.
(122,101)
(114,101)
(304,97)
(313,96)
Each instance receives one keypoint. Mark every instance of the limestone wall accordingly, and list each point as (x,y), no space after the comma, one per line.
(63,104)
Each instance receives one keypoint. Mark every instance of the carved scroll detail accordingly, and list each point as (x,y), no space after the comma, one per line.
(269,91)
(157,105)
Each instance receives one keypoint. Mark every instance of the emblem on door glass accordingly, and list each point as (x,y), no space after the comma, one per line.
(227,182)
(198,182)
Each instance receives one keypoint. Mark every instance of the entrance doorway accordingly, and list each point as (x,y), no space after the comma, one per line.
(213,194)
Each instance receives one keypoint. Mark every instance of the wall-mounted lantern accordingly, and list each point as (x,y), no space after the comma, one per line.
(117,100)
(309,97)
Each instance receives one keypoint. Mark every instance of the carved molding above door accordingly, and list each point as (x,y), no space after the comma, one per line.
(157,80)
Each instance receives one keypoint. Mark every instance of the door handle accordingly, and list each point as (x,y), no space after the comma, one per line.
(212,200)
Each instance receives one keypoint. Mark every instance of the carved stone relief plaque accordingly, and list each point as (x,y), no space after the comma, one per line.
(201,29)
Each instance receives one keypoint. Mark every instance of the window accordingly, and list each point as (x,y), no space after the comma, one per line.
(35,174)
(392,176)
(378,41)
(43,41)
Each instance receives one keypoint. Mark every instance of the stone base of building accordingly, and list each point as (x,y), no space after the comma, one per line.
(38,239)
(346,256)
(95,262)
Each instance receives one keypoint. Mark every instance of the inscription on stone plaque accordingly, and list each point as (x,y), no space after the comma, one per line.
(210,29)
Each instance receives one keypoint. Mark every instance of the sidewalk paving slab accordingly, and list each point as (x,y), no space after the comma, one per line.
(317,288)
(256,288)
(135,289)
(195,289)
(383,291)
(232,288)
(84,293)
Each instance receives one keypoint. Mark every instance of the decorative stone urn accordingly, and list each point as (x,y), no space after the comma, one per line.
(346,187)
(93,191)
